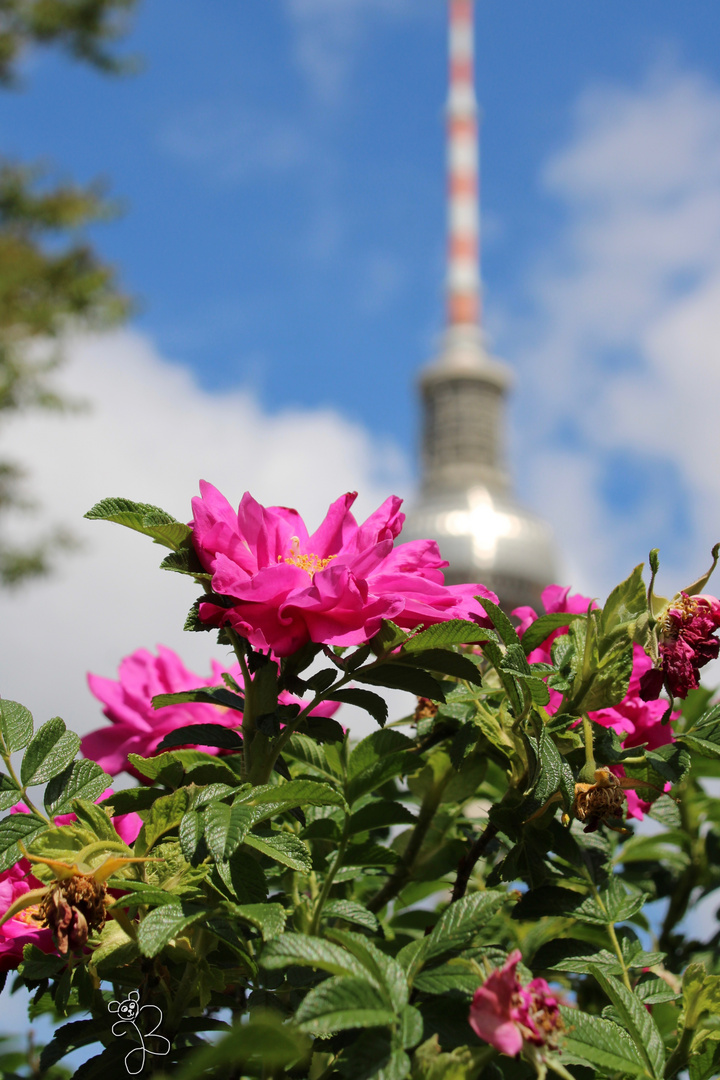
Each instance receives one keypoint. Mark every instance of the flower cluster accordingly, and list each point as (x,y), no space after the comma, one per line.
(636,721)
(511,1016)
(285,587)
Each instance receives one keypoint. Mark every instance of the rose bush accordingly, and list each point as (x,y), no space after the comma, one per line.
(463,894)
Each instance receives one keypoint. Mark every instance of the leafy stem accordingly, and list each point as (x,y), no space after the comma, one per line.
(402,873)
(329,878)
(22,788)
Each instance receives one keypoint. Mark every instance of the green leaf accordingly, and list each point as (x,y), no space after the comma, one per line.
(165,923)
(71,1037)
(190,833)
(341,1003)
(383,970)
(143,518)
(39,965)
(374,1055)
(457,976)
(445,634)
(185,561)
(637,1021)
(10,793)
(13,829)
(266,1041)
(595,1041)
(51,749)
(312,952)
(95,819)
(500,621)
(16,725)
(364,699)
(398,676)
(79,780)
(283,848)
(704,736)
(269,919)
(448,662)
(377,759)
(282,796)
(625,605)
(202,735)
(243,877)
(388,637)
(350,912)
(132,800)
(379,815)
(614,905)
(166,813)
(541,629)
(462,920)
(226,827)
(211,695)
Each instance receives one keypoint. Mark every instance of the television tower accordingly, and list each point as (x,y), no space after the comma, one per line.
(466,502)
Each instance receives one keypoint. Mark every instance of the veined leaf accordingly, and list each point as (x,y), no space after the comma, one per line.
(350,912)
(79,780)
(595,1041)
(14,829)
(269,919)
(226,827)
(10,792)
(165,923)
(541,629)
(293,793)
(143,518)
(342,1003)
(445,634)
(398,676)
(16,725)
(637,1021)
(384,970)
(165,814)
(51,749)
(313,952)
(266,1041)
(283,848)
(202,735)
(372,703)
(211,695)
(448,662)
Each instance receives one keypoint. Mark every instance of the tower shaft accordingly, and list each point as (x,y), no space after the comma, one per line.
(463,256)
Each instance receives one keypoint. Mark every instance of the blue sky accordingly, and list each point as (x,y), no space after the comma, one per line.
(281,168)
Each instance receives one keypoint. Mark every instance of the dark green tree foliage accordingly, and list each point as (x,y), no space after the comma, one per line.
(51,279)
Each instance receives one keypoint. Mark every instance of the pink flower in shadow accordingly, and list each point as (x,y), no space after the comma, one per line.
(507,1015)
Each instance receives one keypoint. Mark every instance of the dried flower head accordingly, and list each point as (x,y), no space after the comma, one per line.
(425,709)
(72,909)
(599,802)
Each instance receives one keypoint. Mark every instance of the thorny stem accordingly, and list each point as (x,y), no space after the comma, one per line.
(470,858)
(403,871)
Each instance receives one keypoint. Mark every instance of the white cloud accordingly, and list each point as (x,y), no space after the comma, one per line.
(620,383)
(151,434)
(329,32)
(235,144)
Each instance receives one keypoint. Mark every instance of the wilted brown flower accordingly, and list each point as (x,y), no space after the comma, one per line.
(425,709)
(599,802)
(73,908)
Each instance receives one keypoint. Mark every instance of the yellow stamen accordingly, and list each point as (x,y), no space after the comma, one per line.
(310,562)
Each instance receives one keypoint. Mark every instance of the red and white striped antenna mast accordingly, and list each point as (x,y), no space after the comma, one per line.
(463,257)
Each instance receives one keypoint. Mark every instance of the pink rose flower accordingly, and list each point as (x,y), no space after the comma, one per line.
(22,929)
(334,586)
(508,1015)
(137,727)
(687,642)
